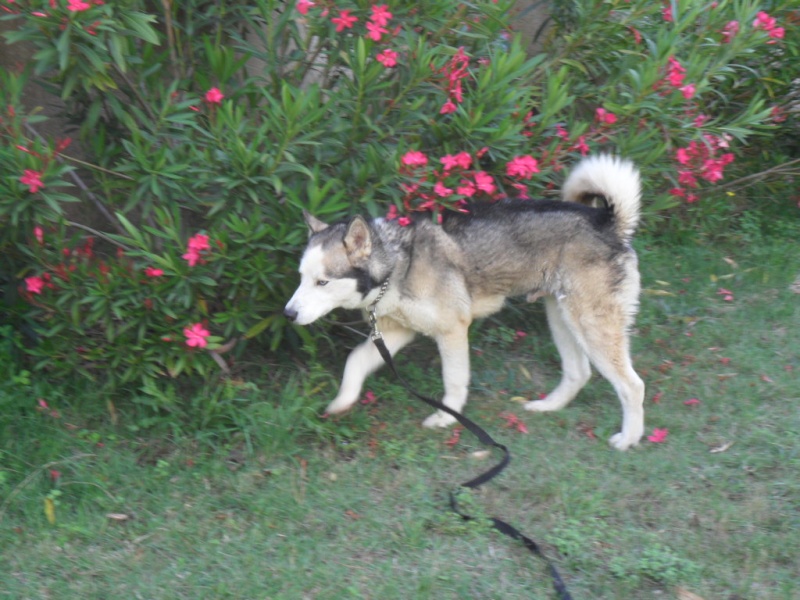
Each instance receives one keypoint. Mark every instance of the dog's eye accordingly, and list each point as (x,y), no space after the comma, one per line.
(321,282)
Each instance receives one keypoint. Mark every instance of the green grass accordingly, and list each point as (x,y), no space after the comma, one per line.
(294,507)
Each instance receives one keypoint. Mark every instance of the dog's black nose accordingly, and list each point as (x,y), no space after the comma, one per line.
(289,313)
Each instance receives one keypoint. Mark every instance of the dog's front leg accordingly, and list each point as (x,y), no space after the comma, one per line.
(362,362)
(454,350)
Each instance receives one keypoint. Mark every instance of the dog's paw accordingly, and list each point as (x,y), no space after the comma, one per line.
(545,405)
(622,442)
(439,419)
(338,406)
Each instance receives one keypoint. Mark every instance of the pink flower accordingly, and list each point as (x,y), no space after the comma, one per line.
(38,233)
(369,397)
(404,221)
(659,436)
(380,15)
(152,272)
(414,158)
(700,120)
(484,182)
(388,58)
(514,422)
(34,284)
(344,21)
(214,96)
(712,170)
(78,5)
(666,13)
(448,108)
(581,146)
(764,21)
(392,214)
(441,190)
(688,91)
(375,31)
(729,31)
(692,198)
(199,242)
(675,72)
(602,115)
(682,156)
(522,166)
(467,188)
(777,33)
(303,6)
(691,402)
(33,179)
(196,336)
(192,257)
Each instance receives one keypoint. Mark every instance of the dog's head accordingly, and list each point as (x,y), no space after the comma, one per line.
(334,271)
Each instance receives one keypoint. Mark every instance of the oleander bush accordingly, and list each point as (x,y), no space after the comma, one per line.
(206,127)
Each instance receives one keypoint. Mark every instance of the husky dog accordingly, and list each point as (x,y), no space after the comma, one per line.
(441,277)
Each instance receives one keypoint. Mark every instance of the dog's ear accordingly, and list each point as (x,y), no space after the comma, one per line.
(358,239)
(314,224)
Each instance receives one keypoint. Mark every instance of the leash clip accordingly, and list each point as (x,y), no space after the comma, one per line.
(372,313)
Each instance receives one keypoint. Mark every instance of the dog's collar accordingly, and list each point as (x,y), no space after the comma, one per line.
(372,310)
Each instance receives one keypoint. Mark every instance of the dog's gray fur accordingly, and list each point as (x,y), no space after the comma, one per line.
(441,277)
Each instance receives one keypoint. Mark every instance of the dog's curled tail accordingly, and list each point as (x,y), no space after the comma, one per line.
(613,178)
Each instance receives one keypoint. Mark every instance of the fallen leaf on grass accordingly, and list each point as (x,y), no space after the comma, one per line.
(648,292)
(119,517)
(50,510)
(684,594)
(453,440)
(721,448)
(521,399)
(352,514)
(480,454)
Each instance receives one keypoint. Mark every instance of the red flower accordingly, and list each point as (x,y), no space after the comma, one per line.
(152,272)
(414,158)
(38,233)
(659,436)
(729,31)
(196,336)
(602,115)
(375,31)
(448,108)
(34,284)
(688,91)
(214,96)
(484,182)
(388,58)
(522,166)
(380,14)
(303,6)
(344,21)
(442,190)
(33,179)
(404,221)
(78,5)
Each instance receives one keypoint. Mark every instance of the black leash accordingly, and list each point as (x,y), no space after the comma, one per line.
(484,438)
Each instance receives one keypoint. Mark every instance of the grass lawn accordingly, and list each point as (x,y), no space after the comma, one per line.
(356,507)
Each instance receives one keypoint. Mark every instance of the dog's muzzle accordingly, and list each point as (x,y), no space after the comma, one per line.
(290,313)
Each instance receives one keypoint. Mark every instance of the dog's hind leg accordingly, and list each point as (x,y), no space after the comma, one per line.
(454,350)
(602,332)
(576,371)
(362,362)
(609,351)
